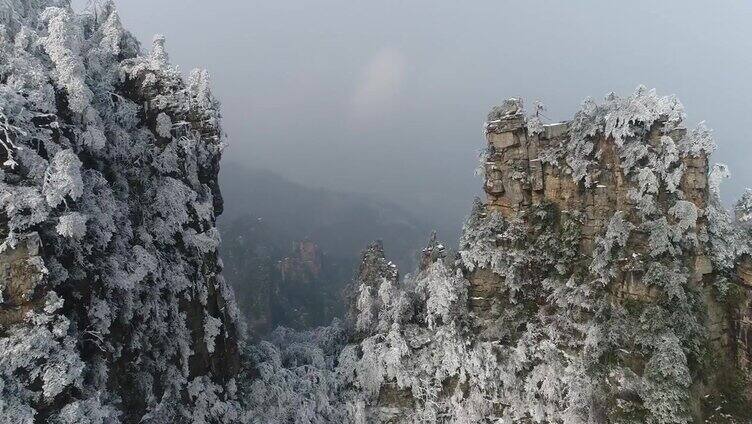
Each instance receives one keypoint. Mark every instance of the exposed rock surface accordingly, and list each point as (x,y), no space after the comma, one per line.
(628,166)
(304,264)
(523,172)
(19,277)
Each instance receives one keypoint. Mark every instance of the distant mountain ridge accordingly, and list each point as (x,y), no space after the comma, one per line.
(265,221)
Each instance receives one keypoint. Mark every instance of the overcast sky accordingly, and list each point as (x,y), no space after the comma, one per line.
(389,97)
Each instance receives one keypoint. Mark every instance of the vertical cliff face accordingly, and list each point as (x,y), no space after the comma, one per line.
(644,171)
(113,307)
(304,263)
(623,194)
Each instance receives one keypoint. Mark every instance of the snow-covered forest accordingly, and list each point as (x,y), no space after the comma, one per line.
(113,306)
(602,280)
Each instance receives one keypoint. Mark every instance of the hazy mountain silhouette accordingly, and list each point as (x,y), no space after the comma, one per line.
(265,219)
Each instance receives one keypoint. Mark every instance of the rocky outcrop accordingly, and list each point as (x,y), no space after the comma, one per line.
(649,179)
(519,176)
(303,265)
(434,251)
(741,325)
(374,269)
(21,272)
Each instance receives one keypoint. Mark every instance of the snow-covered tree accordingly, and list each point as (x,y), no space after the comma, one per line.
(743,208)
(110,160)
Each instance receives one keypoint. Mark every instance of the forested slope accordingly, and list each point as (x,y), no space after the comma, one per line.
(113,308)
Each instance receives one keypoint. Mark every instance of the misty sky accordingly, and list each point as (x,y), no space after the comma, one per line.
(389,97)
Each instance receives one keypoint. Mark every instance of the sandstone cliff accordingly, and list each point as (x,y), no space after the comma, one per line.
(629,188)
